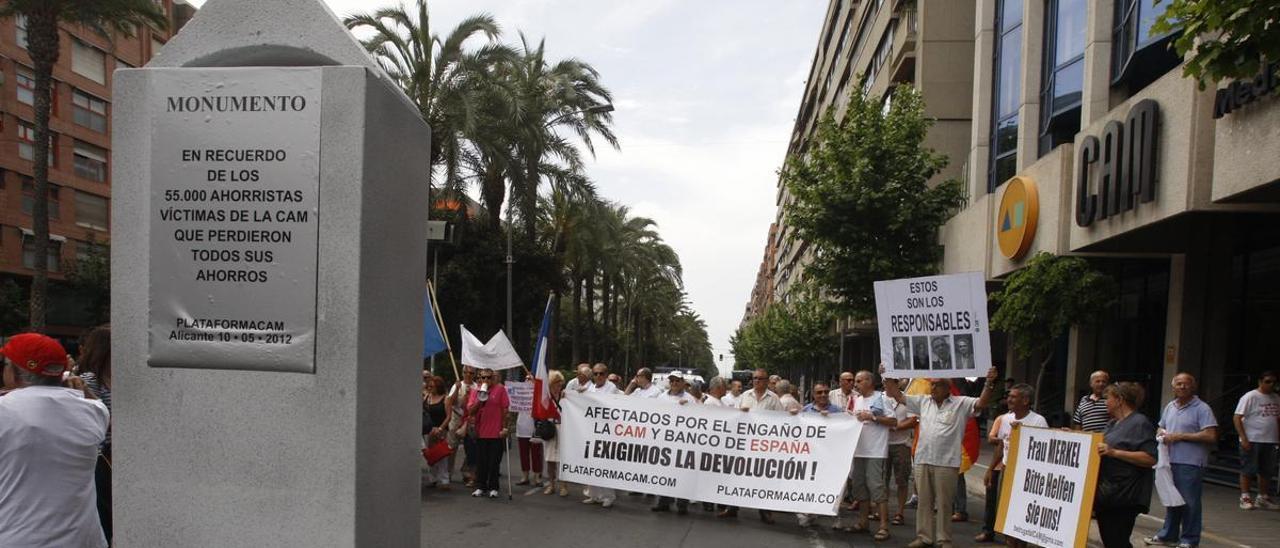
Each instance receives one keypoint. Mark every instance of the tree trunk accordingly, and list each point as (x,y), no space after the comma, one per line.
(576,318)
(1040,380)
(42,44)
(607,343)
(530,198)
(591,316)
(493,191)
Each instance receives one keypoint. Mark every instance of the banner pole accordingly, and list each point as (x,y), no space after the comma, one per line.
(435,309)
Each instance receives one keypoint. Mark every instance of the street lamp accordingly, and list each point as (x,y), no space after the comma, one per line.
(510,259)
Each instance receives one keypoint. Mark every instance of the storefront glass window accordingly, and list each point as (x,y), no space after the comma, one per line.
(1008,93)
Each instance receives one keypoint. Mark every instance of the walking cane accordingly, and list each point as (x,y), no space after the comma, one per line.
(508,459)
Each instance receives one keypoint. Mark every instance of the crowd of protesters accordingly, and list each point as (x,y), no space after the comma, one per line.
(912,452)
(55,444)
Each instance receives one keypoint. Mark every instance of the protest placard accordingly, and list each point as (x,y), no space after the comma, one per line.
(521,396)
(1047,491)
(763,459)
(934,326)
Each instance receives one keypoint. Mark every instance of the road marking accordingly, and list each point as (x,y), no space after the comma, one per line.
(1203,534)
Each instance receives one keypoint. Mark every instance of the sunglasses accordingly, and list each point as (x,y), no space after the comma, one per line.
(483,377)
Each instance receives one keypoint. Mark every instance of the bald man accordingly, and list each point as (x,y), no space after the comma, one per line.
(1189,428)
(1091,412)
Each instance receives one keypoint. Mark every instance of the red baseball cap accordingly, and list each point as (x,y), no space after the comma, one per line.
(36,353)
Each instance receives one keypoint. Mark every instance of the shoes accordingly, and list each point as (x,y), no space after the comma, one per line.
(804,520)
(493,494)
(681,510)
(917,543)
(959,517)
(1185,545)
(728,513)
(766,517)
(1154,540)
(564,490)
(590,501)
(913,501)
(984,538)
(1246,503)
(478,493)
(551,488)
(838,525)
(523,481)
(707,506)
(607,504)
(1265,503)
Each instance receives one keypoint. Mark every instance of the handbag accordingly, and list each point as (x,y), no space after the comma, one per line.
(437,451)
(1123,485)
(544,430)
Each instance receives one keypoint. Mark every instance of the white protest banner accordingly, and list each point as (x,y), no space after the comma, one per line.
(763,459)
(934,326)
(521,396)
(1047,491)
(497,354)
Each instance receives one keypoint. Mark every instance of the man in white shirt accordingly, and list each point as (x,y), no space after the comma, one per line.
(762,399)
(579,383)
(840,397)
(716,391)
(600,384)
(733,398)
(870,457)
(49,438)
(643,386)
(1020,398)
(1257,420)
(899,464)
(677,395)
(938,448)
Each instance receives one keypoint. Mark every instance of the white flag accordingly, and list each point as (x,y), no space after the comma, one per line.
(496,354)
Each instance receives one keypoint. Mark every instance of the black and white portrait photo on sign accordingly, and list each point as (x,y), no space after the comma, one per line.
(934,326)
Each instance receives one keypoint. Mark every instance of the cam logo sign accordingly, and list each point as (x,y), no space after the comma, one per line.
(1017,218)
(1047,491)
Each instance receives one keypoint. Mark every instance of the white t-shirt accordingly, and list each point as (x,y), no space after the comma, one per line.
(524,426)
(652,391)
(1260,412)
(712,401)
(873,442)
(899,411)
(1007,421)
(675,398)
(730,400)
(789,403)
(606,388)
(575,385)
(49,440)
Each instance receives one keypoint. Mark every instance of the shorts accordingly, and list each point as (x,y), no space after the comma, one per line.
(1259,459)
(899,465)
(868,479)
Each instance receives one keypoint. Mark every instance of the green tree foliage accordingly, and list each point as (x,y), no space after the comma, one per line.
(786,334)
(1226,38)
(108,17)
(1040,302)
(90,277)
(862,199)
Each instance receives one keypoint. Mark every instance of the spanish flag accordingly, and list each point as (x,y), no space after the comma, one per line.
(972,440)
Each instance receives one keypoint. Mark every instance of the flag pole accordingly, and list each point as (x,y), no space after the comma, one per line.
(435,309)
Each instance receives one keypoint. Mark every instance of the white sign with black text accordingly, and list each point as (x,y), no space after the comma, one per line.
(934,326)
(235,192)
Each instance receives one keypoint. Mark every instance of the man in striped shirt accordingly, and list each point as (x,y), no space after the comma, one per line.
(1091,412)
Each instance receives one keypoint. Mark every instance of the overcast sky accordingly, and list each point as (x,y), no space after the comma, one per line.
(706,93)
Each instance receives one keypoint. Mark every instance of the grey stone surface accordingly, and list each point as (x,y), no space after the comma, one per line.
(242,458)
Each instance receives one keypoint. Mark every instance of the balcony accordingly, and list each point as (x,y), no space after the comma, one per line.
(902,64)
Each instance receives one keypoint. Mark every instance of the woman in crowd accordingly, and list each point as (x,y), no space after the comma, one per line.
(95,364)
(487,411)
(530,450)
(435,404)
(459,441)
(1125,476)
(551,447)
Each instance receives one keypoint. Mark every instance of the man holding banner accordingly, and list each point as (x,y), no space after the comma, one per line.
(600,384)
(937,459)
(763,399)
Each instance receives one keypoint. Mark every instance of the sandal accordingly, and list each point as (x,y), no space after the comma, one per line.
(859,529)
(898,519)
(881,535)
(959,517)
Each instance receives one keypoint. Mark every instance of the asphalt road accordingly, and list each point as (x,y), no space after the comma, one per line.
(530,519)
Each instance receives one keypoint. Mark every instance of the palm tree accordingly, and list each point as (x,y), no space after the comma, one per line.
(42,19)
(452,86)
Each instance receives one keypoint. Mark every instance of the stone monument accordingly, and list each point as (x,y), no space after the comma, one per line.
(270,211)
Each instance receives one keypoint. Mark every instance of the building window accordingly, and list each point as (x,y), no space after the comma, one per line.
(29,198)
(1008,92)
(29,253)
(91,162)
(1063,82)
(89,62)
(156,45)
(91,211)
(881,57)
(27,143)
(20,33)
(26,87)
(90,111)
(1139,57)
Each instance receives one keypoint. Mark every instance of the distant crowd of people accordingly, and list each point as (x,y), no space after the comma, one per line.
(912,440)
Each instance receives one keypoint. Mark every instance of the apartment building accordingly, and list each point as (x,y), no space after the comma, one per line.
(80,158)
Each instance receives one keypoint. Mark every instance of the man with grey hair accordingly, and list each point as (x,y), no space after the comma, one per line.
(1020,397)
(716,390)
(1091,413)
(759,398)
(734,396)
(579,383)
(49,438)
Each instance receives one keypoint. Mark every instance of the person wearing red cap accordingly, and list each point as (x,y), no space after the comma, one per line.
(49,438)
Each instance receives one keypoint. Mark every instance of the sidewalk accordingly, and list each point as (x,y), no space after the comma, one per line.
(1225,524)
